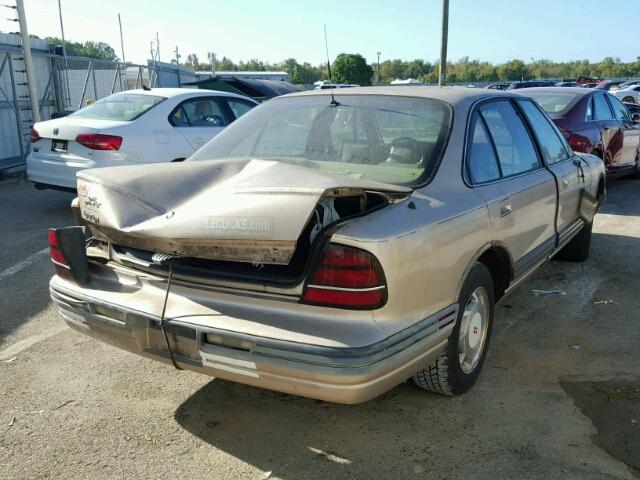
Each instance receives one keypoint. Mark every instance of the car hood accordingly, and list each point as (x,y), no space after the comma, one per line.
(68,128)
(237,210)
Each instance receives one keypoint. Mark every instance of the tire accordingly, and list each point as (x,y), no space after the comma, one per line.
(449,375)
(629,100)
(577,250)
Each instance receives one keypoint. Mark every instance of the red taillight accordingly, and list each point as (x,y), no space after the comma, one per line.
(60,263)
(346,278)
(35,136)
(97,141)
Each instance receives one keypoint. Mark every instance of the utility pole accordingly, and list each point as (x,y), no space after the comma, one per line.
(378,70)
(121,40)
(158,46)
(28,62)
(178,66)
(64,54)
(443,43)
(212,60)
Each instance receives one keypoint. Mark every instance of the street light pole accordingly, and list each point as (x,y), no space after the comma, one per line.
(378,70)
(443,43)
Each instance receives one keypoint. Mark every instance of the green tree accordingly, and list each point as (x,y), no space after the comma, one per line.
(513,70)
(351,68)
(90,49)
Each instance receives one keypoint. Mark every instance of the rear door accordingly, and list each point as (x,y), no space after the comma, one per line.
(503,166)
(628,154)
(567,168)
(200,119)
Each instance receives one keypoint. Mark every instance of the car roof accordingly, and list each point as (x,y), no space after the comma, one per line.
(578,90)
(175,92)
(451,95)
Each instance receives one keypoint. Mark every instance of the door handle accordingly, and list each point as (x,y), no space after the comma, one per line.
(565,181)
(504,211)
(606,127)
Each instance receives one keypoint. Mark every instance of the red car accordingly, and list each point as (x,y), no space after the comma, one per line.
(596,122)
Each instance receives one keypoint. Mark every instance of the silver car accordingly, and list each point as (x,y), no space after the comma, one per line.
(330,244)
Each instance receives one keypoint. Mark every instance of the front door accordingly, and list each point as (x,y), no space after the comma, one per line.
(628,154)
(199,120)
(567,168)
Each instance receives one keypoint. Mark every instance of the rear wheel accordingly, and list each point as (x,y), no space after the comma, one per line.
(629,100)
(460,363)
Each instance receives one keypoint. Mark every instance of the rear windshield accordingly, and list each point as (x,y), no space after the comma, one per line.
(389,139)
(126,107)
(554,102)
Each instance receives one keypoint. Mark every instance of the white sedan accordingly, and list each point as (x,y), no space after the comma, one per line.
(132,127)
(628,95)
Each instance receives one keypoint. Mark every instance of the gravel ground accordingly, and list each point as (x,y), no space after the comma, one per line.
(71,407)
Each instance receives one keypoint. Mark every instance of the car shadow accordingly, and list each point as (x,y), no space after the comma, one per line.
(295,437)
(24,221)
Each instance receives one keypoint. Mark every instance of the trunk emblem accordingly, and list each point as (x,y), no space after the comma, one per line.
(55,131)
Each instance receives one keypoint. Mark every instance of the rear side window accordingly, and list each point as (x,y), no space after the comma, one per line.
(619,110)
(601,110)
(482,164)
(516,152)
(198,112)
(553,148)
(239,107)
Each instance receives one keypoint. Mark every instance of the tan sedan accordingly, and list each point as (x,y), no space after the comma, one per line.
(330,244)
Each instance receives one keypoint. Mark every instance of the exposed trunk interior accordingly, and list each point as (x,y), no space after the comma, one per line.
(329,213)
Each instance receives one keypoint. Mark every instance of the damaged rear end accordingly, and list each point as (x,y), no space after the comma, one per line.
(230,223)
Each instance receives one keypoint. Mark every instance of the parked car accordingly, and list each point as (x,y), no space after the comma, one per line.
(596,122)
(634,109)
(498,86)
(589,85)
(570,84)
(128,128)
(608,84)
(530,84)
(330,244)
(626,84)
(629,94)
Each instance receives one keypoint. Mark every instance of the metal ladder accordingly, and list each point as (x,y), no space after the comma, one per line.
(21,103)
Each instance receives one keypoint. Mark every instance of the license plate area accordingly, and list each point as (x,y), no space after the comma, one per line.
(59,146)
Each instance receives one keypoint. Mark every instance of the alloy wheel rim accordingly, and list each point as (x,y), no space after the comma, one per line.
(473,330)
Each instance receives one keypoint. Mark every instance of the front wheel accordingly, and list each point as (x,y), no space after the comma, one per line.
(629,100)
(458,366)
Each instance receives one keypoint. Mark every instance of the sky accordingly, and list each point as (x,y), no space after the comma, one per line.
(492,30)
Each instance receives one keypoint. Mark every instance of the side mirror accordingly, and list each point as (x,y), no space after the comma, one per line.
(635,117)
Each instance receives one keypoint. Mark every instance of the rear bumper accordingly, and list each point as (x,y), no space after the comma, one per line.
(56,172)
(341,375)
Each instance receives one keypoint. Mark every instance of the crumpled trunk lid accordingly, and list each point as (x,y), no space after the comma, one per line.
(235,210)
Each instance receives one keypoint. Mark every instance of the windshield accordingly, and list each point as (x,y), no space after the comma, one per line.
(558,103)
(121,106)
(388,139)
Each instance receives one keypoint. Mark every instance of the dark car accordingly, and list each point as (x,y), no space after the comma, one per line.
(568,84)
(596,122)
(498,86)
(530,84)
(634,109)
(608,84)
